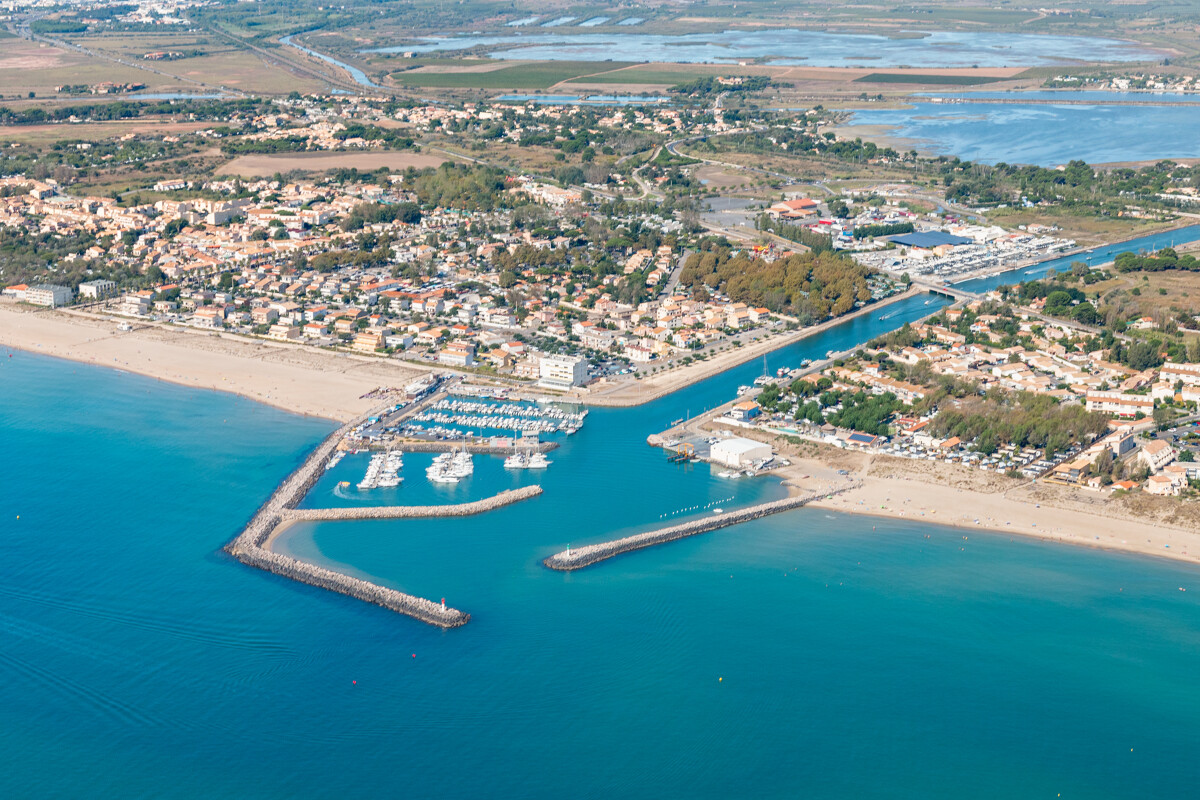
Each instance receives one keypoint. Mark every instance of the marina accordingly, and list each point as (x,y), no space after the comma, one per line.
(508,416)
(372,432)
(251,546)
(382,471)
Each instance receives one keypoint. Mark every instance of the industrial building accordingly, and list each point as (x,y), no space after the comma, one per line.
(739,453)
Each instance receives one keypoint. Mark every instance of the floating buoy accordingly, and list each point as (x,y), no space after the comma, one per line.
(354,682)
(720,679)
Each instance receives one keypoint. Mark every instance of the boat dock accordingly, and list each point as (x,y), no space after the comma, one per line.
(578,558)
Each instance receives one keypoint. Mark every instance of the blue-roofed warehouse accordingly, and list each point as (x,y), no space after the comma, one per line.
(863,439)
(929,239)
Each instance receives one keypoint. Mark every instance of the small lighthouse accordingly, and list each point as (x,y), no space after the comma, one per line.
(443,604)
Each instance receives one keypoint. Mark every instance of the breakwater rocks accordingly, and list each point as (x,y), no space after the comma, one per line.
(415,607)
(402,512)
(577,558)
(280,509)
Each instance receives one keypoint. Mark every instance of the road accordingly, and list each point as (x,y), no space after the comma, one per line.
(963,295)
(673,280)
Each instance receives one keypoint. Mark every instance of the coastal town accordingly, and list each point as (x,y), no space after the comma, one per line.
(573,290)
(630,399)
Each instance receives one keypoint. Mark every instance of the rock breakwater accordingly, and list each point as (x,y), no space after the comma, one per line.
(250,546)
(500,500)
(577,558)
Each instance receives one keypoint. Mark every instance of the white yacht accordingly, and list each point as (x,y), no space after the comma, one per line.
(441,475)
(462,464)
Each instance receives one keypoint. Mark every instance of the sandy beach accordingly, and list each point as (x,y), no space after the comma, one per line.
(302,380)
(949,494)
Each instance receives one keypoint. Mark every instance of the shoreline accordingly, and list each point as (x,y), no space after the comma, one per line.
(303,381)
(1141,537)
(949,495)
(635,393)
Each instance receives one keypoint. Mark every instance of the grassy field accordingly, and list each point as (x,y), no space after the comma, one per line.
(43,135)
(668,74)
(36,67)
(266,165)
(1156,292)
(1083,229)
(533,75)
(922,78)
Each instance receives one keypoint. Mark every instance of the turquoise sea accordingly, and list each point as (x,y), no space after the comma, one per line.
(809,654)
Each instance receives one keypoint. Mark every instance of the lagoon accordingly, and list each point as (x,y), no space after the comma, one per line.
(797,47)
(1042,133)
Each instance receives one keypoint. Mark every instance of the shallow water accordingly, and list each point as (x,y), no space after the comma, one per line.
(1046,134)
(797,47)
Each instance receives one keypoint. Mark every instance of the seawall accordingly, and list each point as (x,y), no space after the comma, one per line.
(250,546)
(402,512)
(577,558)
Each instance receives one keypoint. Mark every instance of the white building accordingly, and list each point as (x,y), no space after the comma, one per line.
(739,453)
(96,290)
(1119,404)
(1188,373)
(47,294)
(562,372)
(1156,455)
(458,354)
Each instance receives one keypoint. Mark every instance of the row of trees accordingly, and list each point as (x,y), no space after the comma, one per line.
(1021,419)
(1164,259)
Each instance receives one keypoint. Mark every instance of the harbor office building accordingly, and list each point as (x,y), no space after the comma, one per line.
(562,372)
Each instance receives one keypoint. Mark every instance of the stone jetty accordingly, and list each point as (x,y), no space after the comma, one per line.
(579,557)
(402,512)
(250,546)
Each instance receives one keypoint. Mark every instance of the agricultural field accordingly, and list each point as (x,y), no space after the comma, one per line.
(916,78)
(668,74)
(527,75)
(27,66)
